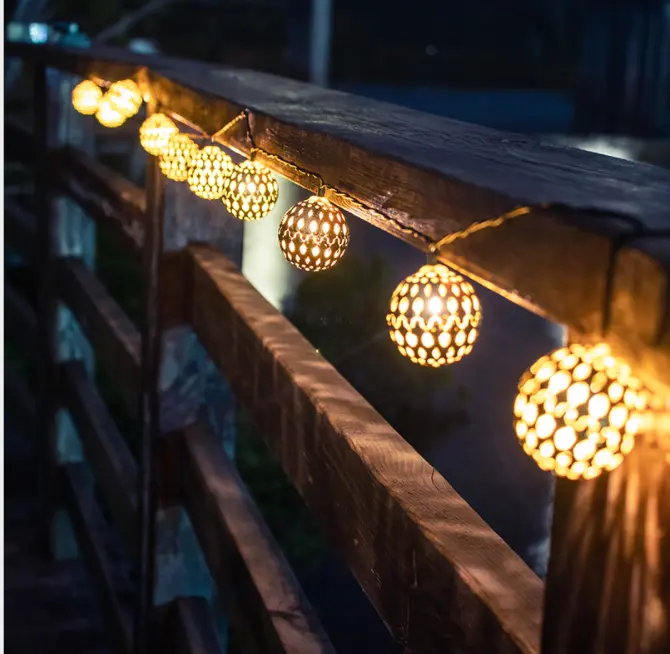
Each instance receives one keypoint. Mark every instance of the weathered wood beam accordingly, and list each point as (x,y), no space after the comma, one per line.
(105,449)
(20,230)
(20,320)
(110,199)
(268,608)
(114,337)
(437,176)
(440,578)
(87,520)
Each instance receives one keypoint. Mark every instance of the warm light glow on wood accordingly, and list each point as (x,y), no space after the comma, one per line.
(313,235)
(434,316)
(578,411)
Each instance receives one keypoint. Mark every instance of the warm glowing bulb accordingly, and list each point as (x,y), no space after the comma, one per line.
(155,133)
(125,96)
(250,191)
(578,410)
(313,235)
(108,115)
(208,172)
(86,97)
(434,316)
(178,156)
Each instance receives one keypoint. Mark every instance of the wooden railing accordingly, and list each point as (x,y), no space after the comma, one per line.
(438,576)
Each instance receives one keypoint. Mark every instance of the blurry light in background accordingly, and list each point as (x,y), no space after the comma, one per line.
(108,115)
(434,316)
(155,132)
(125,96)
(578,411)
(86,97)
(313,235)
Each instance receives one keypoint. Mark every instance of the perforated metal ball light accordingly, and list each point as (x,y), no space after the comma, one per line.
(208,172)
(108,115)
(125,96)
(313,234)
(434,316)
(250,191)
(177,159)
(86,97)
(578,411)
(155,132)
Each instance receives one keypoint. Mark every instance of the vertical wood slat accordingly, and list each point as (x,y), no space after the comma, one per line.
(77,489)
(149,405)
(20,320)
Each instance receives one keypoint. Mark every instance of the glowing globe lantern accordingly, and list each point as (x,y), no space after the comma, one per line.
(313,235)
(250,191)
(434,316)
(578,411)
(86,97)
(208,171)
(108,115)
(125,96)
(155,133)
(177,159)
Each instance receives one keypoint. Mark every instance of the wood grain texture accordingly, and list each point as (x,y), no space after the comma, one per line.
(268,609)
(113,336)
(77,490)
(608,586)
(105,449)
(438,176)
(440,578)
(20,231)
(20,321)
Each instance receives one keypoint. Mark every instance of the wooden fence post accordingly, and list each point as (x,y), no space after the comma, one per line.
(608,585)
(64,230)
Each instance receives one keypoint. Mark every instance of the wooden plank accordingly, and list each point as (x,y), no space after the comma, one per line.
(437,176)
(190,629)
(20,320)
(607,586)
(20,230)
(268,608)
(440,578)
(115,203)
(105,449)
(113,336)
(87,520)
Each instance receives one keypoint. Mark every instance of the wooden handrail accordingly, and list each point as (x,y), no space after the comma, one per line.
(415,546)
(437,176)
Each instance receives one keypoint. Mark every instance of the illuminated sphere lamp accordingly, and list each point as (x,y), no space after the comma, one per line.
(108,115)
(250,191)
(86,97)
(313,235)
(125,96)
(155,132)
(578,410)
(434,316)
(208,171)
(177,159)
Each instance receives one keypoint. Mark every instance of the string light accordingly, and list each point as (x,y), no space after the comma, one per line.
(313,235)
(178,157)
(250,191)
(86,97)
(578,410)
(434,316)
(125,96)
(108,115)
(208,172)
(155,132)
